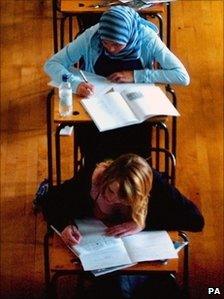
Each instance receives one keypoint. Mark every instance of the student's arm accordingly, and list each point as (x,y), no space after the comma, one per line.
(65,203)
(171,210)
(172,70)
(60,63)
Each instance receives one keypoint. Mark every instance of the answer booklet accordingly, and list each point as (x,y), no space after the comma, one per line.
(97,251)
(132,105)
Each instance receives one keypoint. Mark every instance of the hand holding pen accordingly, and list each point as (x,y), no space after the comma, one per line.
(71,235)
(85,89)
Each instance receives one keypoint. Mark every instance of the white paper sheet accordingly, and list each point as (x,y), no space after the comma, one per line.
(150,246)
(98,250)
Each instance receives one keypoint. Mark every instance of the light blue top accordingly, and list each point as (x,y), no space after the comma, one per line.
(152,49)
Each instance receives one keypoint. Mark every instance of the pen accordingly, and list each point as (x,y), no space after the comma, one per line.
(83,76)
(90,89)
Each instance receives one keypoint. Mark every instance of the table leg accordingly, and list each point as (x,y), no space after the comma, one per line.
(160,19)
(168,25)
(55,27)
(49,136)
(70,22)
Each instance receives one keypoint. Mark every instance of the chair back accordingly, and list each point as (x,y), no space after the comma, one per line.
(164,162)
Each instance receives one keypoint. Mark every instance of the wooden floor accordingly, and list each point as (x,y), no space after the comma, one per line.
(26,42)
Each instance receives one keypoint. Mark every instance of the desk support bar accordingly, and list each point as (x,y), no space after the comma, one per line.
(49,136)
(168,22)
(160,19)
(174,120)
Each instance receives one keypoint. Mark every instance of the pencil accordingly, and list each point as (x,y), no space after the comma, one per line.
(83,76)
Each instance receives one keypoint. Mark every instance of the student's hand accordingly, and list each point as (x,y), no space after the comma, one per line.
(85,89)
(71,235)
(122,77)
(124,229)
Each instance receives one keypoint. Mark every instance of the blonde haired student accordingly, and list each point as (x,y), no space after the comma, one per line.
(128,196)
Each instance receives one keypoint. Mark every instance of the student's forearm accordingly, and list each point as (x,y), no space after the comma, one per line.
(175,76)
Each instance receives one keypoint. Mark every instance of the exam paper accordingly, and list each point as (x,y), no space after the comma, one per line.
(150,246)
(106,258)
(97,250)
(93,236)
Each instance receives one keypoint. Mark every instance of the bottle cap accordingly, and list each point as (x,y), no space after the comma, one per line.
(64,78)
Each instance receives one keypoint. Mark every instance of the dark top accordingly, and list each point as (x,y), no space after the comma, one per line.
(97,146)
(106,66)
(168,209)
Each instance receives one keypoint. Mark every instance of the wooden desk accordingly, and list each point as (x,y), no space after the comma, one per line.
(63,259)
(60,261)
(72,8)
(81,116)
(79,113)
(94,6)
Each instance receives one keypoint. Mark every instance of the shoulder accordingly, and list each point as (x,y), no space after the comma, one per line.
(151,40)
(161,190)
(148,34)
(88,34)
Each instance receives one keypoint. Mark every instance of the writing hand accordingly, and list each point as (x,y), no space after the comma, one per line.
(85,89)
(122,77)
(124,229)
(71,235)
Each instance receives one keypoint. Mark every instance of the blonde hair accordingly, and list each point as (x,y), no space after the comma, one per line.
(134,176)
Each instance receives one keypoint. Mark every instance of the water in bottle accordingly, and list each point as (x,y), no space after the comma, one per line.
(65,97)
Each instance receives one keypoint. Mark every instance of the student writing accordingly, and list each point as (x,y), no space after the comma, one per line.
(124,48)
(128,196)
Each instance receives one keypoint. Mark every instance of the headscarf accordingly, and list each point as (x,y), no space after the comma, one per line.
(122,24)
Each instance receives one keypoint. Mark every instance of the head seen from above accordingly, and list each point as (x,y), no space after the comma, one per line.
(128,180)
(119,32)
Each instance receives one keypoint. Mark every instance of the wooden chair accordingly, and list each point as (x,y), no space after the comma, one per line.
(58,261)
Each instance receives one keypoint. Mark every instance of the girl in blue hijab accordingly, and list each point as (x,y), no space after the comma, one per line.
(122,47)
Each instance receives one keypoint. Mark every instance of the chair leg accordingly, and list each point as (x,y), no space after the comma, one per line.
(49,136)
(58,152)
(47,262)
(186,294)
(160,19)
(62,30)
(75,154)
(70,22)
(158,127)
(174,120)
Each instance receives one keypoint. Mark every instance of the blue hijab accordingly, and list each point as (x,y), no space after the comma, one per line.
(122,24)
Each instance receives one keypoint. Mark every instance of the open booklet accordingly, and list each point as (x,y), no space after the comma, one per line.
(132,105)
(102,254)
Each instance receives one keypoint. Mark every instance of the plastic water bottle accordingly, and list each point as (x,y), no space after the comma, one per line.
(65,97)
